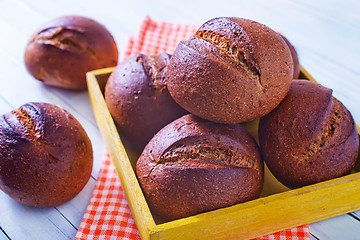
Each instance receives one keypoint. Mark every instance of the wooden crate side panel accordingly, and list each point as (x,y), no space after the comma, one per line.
(129,183)
(269,214)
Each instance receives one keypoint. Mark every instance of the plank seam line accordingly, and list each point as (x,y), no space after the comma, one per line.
(6,101)
(63,231)
(66,218)
(314,236)
(3,231)
(354,216)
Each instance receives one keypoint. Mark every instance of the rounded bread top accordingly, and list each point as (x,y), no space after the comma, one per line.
(46,155)
(309,137)
(138,99)
(232,70)
(62,51)
(193,165)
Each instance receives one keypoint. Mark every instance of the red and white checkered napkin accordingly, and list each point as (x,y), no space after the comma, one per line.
(108,215)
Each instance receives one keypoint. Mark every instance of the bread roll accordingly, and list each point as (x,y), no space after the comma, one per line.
(193,166)
(233,70)
(63,50)
(46,156)
(137,97)
(310,137)
(295,58)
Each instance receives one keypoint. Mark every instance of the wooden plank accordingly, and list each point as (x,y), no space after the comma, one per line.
(357,214)
(330,229)
(3,235)
(347,10)
(252,219)
(343,82)
(5,106)
(73,211)
(323,30)
(119,156)
(118,20)
(22,222)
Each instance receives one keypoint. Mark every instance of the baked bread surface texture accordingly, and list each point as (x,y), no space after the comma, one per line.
(310,137)
(46,156)
(138,99)
(232,70)
(62,51)
(193,166)
(295,58)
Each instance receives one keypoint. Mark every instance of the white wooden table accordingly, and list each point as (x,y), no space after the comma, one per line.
(326,35)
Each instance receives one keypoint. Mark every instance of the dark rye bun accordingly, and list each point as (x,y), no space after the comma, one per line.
(194,165)
(46,156)
(310,137)
(137,97)
(232,70)
(295,58)
(63,50)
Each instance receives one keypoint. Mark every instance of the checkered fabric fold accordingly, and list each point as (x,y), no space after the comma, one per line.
(108,215)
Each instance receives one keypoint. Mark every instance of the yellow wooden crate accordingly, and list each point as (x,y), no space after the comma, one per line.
(278,207)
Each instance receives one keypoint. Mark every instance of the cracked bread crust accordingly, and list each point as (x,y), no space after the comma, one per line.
(84,44)
(232,70)
(46,156)
(138,99)
(310,137)
(193,166)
